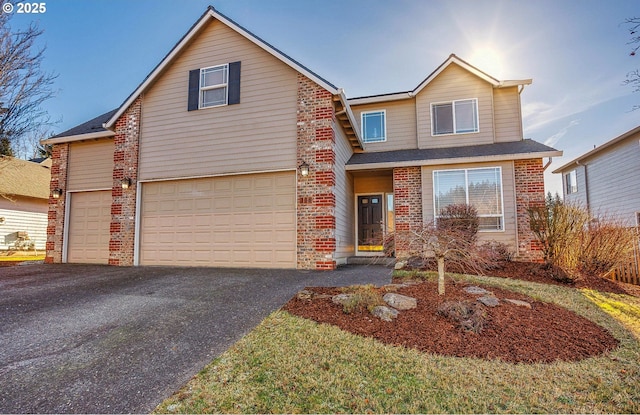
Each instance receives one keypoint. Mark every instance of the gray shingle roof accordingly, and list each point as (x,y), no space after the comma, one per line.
(481,150)
(91,126)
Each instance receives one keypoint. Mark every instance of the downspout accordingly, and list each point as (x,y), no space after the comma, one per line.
(544,168)
(586,185)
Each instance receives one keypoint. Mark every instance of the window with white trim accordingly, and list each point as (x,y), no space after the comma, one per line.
(455,117)
(571,182)
(480,188)
(374,126)
(213,86)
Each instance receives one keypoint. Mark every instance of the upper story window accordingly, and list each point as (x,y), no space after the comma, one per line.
(571,182)
(480,188)
(374,126)
(455,117)
(213,86)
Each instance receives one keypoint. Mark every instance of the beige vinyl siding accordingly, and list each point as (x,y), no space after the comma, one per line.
(90,165)
(400,120)
(509,235)
(230,221)
(23,215)
(508,121)
(345,222)
(259,134)
(373,182)
(455,83)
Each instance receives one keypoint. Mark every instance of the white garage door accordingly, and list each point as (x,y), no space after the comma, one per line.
(89,223)
(234,221)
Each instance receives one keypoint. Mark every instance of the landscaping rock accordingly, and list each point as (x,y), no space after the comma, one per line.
(472,289)
(519,303)
(342,299)
(385,313)
(400,265)
(304,295)
(399,301)
(489,301)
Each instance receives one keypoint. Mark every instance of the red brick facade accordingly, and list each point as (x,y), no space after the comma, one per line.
(529,176)
(123,204)
(407,194)
(55,225)
(316,239)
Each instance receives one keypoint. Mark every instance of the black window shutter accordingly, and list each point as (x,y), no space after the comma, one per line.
(234,83)
(194,89)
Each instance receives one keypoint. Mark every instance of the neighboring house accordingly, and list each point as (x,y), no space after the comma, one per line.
(231,153)
(24,201)
(607,178)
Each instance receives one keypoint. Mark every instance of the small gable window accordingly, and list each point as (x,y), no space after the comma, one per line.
(214,86)
(455,117)
(571,182)
(374,128)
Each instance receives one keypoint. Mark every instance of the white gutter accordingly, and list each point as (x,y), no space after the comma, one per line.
(457,160)
(381,98)
(78,137)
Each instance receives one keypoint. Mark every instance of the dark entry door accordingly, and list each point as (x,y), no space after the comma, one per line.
(370,234)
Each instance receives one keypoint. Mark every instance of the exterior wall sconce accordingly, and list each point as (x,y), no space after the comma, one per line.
(56,193)
(126,183)
(304,169)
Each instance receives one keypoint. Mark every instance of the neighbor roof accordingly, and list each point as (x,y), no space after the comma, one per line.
(514,150)
(598,149)
(24,178)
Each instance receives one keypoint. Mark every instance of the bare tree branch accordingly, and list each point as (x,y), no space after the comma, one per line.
(24,85)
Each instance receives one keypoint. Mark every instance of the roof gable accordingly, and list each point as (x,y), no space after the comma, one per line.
(212,13)
(451,60)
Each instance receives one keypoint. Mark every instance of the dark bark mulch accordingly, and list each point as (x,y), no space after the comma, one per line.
(545,333)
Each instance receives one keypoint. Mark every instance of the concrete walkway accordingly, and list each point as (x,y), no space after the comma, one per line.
(100,339)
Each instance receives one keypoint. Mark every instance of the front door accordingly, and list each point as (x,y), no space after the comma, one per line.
(370,225)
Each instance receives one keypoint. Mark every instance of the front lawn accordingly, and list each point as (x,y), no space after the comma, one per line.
(293,365)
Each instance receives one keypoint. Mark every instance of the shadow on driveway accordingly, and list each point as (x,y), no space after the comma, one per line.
(100,339)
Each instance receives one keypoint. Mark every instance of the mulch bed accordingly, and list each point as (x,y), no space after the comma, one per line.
(543,334)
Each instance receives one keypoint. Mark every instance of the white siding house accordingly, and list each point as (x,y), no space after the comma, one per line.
(24,195)
(607,179)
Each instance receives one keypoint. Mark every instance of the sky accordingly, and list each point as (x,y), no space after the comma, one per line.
(576,52)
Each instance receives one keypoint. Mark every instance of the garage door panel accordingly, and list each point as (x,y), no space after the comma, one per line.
(89,223)
(241,221)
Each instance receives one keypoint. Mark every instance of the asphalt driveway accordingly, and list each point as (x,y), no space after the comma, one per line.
(100,339)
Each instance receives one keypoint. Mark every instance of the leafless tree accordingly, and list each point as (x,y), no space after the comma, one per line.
(633,77)
(448,245)
(24,85)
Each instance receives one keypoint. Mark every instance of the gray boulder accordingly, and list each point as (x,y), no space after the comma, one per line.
(399,301)
(385,313)
(489,301)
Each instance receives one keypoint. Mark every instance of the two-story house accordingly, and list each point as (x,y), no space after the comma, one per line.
(607,179)
(231,153)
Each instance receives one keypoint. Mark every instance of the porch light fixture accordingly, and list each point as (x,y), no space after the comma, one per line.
(56,193)
(126,182)
(304,169)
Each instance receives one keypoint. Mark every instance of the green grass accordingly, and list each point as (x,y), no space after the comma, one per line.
(292,365)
